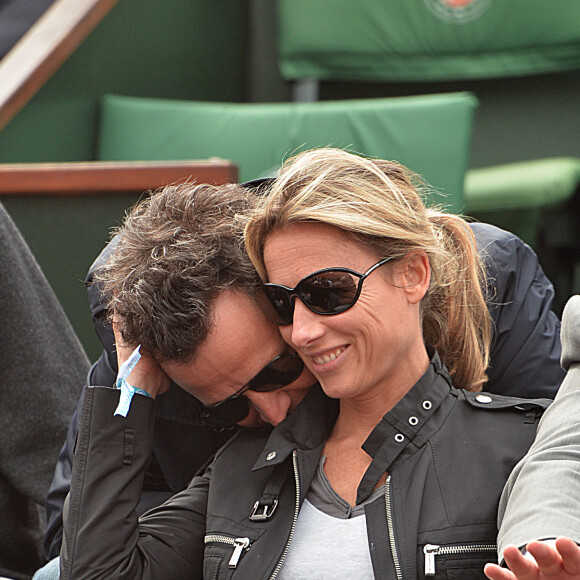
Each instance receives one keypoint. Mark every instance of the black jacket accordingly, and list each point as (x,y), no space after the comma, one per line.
(446,472)
(525,362)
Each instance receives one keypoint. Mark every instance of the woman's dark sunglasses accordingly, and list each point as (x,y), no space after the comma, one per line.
(327,292)
(278,373)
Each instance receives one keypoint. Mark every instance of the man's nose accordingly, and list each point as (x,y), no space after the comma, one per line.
(273,406)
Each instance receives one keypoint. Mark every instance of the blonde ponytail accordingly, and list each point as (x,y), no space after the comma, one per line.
(456,320)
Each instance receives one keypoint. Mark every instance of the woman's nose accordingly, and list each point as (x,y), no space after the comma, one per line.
(306,326)
(273,406)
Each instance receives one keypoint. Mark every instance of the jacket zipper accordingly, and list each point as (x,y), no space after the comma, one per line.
(296,510)
(433,550)
(391,528)
(239,545)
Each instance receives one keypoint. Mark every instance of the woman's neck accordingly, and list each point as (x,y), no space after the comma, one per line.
(346,461)
(359,415)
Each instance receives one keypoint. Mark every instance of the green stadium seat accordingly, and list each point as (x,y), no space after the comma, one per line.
(430,134)
(513,195)
(426,40)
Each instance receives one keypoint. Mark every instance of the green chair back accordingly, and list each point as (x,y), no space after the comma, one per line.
(430,134)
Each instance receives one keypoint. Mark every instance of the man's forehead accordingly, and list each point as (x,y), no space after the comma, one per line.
(241,341)
(239,330)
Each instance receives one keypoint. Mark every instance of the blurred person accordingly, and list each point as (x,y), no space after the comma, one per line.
(41,364)
(540,500)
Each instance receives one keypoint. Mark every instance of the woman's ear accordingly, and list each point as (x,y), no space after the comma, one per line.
(415,275)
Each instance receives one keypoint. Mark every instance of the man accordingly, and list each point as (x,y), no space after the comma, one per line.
(211,282)
(41,363)
(179,224)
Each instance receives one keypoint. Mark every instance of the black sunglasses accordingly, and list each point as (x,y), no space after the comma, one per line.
(278,373)
(327,292)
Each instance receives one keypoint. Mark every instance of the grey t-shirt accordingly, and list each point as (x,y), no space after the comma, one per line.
(330,538)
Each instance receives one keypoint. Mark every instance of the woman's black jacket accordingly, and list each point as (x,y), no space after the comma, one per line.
(447,454)
(524,362)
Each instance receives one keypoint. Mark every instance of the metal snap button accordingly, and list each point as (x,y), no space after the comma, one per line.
(270,456)
(399,438)
(483,399)
(427,405)
(413,421)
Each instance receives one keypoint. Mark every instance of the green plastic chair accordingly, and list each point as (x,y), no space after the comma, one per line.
(430,134)
(514,195)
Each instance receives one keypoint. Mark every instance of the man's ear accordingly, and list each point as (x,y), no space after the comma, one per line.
(415,275)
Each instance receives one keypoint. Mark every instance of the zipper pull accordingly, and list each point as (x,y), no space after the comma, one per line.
(430,551)
(239,545)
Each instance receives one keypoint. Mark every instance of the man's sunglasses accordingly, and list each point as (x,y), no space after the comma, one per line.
(327,292)
(278,373)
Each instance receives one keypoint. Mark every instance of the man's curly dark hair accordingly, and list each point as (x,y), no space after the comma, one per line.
(178,250)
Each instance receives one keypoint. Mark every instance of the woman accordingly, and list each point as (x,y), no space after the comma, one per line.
(386,471)
(378,294)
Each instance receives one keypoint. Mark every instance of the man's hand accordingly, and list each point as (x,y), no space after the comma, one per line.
(147,374)
(558,562)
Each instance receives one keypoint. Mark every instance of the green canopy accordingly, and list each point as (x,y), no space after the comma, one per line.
(426,40)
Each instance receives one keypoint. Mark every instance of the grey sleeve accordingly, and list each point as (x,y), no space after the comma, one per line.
(542,496)
(42,368)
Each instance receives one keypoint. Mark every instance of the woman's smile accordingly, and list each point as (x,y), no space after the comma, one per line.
(323,360)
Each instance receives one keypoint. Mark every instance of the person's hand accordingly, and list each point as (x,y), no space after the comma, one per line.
(558,562)
(147,374)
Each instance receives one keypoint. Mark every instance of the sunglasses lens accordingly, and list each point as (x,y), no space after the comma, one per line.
(278,373)
(276,304)
(229,412)
(328,292)
(282,371)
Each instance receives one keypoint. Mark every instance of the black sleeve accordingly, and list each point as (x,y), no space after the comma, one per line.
(100,371)
(102,535)
(526,349)
(59,488)
(103,372)
(155,491)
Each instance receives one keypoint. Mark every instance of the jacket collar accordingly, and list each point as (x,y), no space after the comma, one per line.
(410,423)
(306,428)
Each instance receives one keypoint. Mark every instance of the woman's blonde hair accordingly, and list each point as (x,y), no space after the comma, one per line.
(378,203)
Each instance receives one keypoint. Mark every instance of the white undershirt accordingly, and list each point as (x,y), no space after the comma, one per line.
(325,547)
(330,538)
